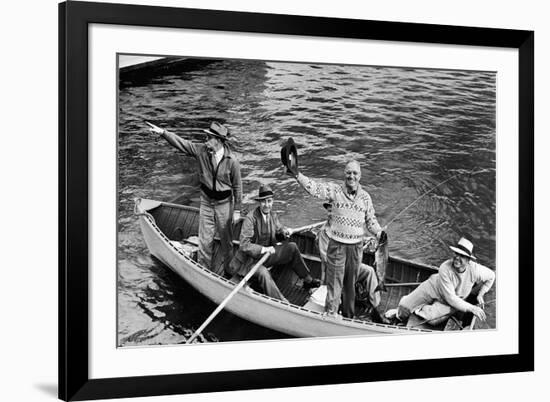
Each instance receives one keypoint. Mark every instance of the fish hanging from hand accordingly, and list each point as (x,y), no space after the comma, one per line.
(381,261)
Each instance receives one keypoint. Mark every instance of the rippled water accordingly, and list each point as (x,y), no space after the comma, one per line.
(410,129)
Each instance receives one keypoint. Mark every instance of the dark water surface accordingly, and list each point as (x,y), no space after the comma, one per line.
(410,129)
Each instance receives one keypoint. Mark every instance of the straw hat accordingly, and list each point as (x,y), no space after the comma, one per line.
(464,247)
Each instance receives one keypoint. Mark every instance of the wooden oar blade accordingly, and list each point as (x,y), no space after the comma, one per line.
(228,298)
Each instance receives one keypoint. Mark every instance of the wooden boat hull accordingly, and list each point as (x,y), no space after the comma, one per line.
(248,304)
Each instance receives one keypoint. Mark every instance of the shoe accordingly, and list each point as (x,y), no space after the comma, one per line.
(332,315)
(379,318)
(314,283)
(393,318)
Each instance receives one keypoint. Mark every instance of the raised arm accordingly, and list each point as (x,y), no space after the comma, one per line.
(185,146)
(318,189)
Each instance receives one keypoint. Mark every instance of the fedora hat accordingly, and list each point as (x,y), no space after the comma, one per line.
(289,156)
(218,130)
(264,192)
(464,247)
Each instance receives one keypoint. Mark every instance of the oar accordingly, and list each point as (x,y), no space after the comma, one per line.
(398,284)
(226,300)
(471,327)
(307,227)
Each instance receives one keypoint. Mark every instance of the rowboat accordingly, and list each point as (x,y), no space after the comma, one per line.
(170,232)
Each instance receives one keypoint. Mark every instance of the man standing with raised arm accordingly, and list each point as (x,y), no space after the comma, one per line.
(352,210)
(221,189)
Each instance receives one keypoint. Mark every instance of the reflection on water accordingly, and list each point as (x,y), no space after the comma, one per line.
(410,129)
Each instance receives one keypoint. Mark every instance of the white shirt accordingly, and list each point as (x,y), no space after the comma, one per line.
(218,155)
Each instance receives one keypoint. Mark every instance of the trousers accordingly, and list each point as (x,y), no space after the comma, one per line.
(215,217)
(366,284)
(341,274)
(288,255)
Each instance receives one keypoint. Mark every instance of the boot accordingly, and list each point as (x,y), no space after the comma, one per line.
(378,316)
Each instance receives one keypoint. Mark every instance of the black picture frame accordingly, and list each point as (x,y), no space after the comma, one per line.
(74,19)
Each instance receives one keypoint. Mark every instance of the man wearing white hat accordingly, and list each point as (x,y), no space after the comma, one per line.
(444,293)
(221,188)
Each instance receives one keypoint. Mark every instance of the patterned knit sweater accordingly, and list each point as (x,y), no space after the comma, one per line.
(349,213)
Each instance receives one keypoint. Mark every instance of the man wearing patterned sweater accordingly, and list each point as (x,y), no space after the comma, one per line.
(351,209)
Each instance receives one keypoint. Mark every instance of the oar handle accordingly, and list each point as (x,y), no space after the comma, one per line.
(307,227)
(399,284)
(226,300)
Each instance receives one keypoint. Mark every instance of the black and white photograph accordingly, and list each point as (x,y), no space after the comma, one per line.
(265,200)
(275,201)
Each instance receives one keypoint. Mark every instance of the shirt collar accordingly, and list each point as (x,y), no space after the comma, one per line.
(219,154)
(345,190)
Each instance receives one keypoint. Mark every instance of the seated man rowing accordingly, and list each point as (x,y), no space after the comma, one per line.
(443,294)
(258,236)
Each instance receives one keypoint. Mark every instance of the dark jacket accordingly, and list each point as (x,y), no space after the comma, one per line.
(255,234)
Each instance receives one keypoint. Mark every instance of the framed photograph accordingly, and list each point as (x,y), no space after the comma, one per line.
(258,201)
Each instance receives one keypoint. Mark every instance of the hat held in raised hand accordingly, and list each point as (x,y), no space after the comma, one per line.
(464,247)
(289,157)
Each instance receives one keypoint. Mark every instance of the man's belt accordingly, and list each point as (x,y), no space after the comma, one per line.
(215,195)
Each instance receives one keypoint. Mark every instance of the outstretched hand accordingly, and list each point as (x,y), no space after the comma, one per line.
(155,129)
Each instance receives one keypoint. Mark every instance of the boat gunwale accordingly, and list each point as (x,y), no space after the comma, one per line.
(255,295)
(392,258)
